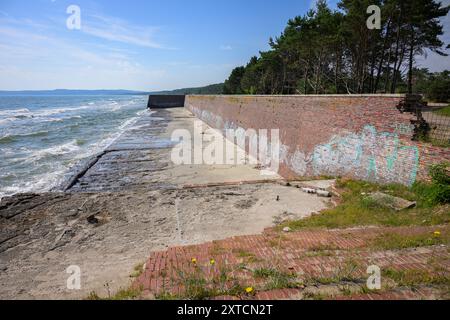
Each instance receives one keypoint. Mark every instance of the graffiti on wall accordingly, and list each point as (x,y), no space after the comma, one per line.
(368,155)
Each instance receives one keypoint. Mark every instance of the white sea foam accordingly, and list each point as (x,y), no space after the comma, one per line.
(14,112)
(63,156)
(108,140)
(10,115)
(40,183)
(69,147)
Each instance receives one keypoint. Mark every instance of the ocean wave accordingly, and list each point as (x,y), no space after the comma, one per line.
(43,182)
(18,114)
(7,139)
(107,141)
(14,112)
(61,157)
(15,137)
(145,112)
(66,148)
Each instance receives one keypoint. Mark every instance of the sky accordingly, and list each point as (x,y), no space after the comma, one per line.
(146,45)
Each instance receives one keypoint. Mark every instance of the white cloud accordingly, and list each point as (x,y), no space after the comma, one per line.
(118,30)
(30,60)
(36,60)
(226,47)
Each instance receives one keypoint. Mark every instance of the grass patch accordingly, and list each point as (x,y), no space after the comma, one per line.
(195,288)
(122,294)
(357,209)
(443,112)
(348,272)
(398,242)
(241,253)
(276,279)
(249,257)
(199,288)
(127,294)
(323,250)
(166,296)
(415,278)
(196,285)
(316,296)
(138,270)
(437,143)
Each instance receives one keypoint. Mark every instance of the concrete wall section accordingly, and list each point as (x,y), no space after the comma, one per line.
(165,101)
(360,136)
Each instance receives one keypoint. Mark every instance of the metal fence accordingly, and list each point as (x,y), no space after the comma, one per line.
(437,125)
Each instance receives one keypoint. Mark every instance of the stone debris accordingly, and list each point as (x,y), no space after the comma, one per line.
(324,193)
(93,219)
(287,229)
(309,190)
(392,202)
(318,192)
(319,184)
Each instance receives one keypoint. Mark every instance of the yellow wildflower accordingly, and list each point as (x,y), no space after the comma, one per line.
(212,262)
(249,290)
(437,233)
(194,261)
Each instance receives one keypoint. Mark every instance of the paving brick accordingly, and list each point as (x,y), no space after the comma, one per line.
(352,245)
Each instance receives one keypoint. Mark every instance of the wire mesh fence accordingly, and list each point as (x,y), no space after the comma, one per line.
(438,125)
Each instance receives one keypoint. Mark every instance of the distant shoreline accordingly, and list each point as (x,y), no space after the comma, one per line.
(71,93)
(210,89)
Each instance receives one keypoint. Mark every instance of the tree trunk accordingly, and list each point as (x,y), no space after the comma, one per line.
(380,65)
(397,70)
(306,80)
(399,26)
(388,71)
(411,62)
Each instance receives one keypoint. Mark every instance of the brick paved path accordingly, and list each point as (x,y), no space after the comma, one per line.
(318,255)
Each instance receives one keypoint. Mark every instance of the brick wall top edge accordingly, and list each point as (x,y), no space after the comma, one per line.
(313,96)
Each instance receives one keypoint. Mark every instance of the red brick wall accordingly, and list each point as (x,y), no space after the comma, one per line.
(364,137)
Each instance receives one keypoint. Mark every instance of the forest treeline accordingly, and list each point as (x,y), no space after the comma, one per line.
(333,51)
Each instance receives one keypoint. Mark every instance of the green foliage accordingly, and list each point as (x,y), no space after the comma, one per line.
(276,279)
(440,173)
(357,209)
(233,84)
(439,89)
(211,89)
(122,294)
(204,283)
(438,191)
(332,51)
(398,241)
(432,194)
(435,86)
(415,278)
(138,270)
(444,112)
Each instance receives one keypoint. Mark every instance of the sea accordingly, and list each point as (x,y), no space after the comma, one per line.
(43,138)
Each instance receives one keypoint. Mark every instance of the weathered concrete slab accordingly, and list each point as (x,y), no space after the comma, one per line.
(165,101)
(392,202)
(140,159)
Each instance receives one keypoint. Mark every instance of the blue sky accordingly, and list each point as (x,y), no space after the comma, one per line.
(140,44)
